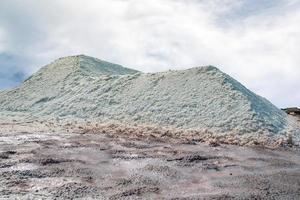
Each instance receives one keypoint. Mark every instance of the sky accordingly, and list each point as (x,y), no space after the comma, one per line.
(255,41)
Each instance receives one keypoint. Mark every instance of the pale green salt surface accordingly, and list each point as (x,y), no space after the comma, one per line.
(203,98)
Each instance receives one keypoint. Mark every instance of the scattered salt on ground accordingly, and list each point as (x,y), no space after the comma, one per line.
(202,98)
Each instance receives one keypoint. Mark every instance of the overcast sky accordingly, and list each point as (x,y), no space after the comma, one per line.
(255,41)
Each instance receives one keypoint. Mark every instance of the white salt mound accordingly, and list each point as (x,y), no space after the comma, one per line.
(202,98)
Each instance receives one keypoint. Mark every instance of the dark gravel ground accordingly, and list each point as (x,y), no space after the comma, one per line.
(61,165)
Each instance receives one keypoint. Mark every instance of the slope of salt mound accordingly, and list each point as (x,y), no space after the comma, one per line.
(94,66)
(55,79)
(202,98)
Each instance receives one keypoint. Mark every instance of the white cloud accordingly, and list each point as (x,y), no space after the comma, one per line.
(258,43)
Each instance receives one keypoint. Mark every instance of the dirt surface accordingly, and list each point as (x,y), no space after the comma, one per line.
(44,161)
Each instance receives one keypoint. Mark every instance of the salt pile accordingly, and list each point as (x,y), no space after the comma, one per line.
(201,98)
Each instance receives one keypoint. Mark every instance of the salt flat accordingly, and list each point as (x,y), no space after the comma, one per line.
(83,128)
(43,160)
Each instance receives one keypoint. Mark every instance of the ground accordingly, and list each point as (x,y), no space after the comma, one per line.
(40,160)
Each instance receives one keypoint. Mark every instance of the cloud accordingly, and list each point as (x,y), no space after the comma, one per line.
(257,42)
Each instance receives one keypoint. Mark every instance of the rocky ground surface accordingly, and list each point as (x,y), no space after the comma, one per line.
(43,160)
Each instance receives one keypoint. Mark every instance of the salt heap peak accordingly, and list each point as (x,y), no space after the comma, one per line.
(83,64)
(81,87)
